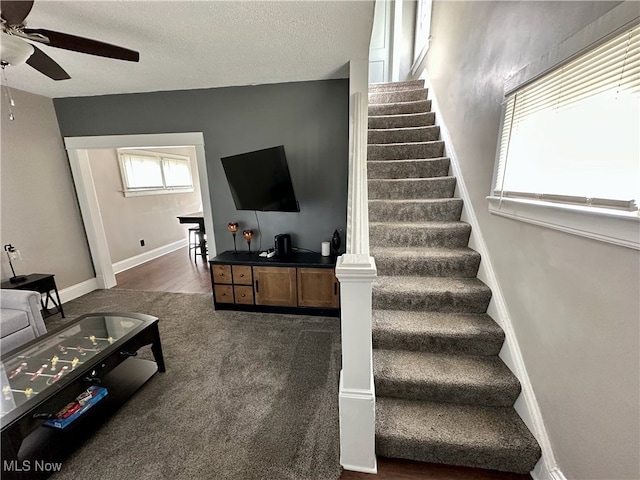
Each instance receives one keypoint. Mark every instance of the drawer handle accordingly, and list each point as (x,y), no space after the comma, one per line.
(241,275)
(222,274)
(243,295)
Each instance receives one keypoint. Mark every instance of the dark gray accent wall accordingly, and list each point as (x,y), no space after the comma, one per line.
(311,119)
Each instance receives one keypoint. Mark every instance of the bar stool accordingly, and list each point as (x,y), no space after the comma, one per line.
(195,244)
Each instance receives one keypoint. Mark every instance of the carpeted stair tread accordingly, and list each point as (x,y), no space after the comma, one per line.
(460,379)
(484,437)
(394,96)
(405,151)
(412,168)
(417,210)
(463,333)
(437,294)
(427,234)
(402,120)
(412,188)
(396,86)
(425,261)
(400,135)
(419,106)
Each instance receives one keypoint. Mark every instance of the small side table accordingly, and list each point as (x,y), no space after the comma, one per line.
(43,283)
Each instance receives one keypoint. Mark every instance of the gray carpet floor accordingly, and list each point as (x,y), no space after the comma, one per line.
(245,396)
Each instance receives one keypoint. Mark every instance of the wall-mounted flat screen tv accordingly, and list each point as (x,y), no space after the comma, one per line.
(260,181)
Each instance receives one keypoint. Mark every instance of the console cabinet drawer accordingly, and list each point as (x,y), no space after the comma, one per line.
(221,273)
(223,293)
(243,294)
(241,275)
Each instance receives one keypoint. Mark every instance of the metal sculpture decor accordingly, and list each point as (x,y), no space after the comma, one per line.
(233,228)
(248,235)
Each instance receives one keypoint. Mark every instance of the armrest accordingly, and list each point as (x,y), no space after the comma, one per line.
(26,301)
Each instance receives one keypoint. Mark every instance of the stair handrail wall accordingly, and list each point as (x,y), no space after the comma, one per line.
(356,270)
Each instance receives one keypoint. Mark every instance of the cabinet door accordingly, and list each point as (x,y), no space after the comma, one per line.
(317,287)
(275,286)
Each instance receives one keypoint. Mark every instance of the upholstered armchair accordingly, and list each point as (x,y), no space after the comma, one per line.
(20,318)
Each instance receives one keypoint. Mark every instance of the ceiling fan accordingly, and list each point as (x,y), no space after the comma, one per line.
(16,50)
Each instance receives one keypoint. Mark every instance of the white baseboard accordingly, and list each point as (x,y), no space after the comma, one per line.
(77,290)
(131,262)
(527,405)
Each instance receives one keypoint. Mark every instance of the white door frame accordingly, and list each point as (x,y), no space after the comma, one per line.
(77,150)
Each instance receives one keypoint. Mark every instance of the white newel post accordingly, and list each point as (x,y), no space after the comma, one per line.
(356,270)
(357,395)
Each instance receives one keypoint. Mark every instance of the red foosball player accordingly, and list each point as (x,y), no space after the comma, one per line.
(18,370)
(38,372)
(59,374)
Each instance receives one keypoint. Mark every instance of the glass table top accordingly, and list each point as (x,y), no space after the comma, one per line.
(39,366)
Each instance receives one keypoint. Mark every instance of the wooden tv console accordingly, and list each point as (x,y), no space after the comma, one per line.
(302,283)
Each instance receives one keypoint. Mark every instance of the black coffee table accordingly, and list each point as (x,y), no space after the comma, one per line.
(96,349)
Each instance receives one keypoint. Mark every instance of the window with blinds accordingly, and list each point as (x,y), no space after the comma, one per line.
(573,135)
(151,173)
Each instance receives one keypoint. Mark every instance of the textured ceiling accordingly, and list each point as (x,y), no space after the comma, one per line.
(199,44)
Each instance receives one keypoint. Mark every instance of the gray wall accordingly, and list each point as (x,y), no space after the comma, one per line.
(573,301)
(309,118)
(39,211)
(151,218)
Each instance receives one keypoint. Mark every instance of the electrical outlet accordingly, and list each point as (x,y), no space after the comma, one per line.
(142,243)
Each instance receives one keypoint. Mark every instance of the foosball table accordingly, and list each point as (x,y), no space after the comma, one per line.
(57,389)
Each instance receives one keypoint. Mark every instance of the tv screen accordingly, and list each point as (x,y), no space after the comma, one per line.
(260,180)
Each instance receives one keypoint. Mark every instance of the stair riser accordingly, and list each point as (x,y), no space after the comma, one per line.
(381,211)
(448,302)
(505,460)
(469,345)
(421,106)
(396,86)
(405,151)
(412,189)
(402,121)
(404,135)
(390,235)
(465,266)
(398,96)
(485,395)
(386,169)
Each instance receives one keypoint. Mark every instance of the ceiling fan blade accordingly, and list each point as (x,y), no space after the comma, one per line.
(82,45)
(46,65)
(14,12)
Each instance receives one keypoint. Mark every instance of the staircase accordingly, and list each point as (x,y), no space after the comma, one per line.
(442,393)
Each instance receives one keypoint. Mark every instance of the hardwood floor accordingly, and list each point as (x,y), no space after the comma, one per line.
(396,469)
(174,272)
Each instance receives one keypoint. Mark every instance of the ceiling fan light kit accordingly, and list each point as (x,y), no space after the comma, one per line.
(14,51)
(18,49)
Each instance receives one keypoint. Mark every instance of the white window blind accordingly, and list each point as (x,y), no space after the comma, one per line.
(141,171)
(177,172)
(573,135)
(147,172)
